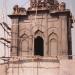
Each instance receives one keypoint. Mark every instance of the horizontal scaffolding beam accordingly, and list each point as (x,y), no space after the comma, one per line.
(5,40)
(6,26)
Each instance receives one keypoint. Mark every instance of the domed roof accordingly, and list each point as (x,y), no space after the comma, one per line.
(42,3)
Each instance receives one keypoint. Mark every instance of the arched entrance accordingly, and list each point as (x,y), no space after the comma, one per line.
(38,46)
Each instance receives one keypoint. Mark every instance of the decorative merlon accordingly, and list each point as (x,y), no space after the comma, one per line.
(19,10)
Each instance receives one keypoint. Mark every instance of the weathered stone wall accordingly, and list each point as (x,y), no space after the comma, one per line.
(53,30)
(27,67)
(3,69)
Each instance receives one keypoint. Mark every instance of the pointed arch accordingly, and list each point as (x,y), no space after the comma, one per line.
(53,47)
(39,33)
(53,44)
(23,35)
(24,45)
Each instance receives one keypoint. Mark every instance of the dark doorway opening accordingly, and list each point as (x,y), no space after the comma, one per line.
(38,46)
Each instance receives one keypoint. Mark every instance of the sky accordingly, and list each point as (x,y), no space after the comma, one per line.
(6,7)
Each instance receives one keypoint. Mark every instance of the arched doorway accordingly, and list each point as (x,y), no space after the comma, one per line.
(38,46)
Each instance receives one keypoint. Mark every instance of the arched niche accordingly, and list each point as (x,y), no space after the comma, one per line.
(53,45)
(24,45)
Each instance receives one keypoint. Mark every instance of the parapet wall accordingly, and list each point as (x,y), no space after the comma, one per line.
(45,66)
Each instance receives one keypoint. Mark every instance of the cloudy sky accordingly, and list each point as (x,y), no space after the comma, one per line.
(7,5)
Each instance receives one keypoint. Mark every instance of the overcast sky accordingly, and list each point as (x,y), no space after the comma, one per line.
(7,5)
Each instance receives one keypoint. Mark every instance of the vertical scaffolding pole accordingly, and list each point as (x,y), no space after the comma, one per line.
(18,39)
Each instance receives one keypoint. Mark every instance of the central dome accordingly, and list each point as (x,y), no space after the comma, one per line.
(43,3)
